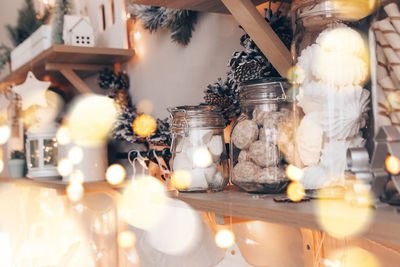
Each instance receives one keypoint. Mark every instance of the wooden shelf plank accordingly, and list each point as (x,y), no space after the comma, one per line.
(64,54)
(215,6)
(261,32)
(385,225)
(89,187)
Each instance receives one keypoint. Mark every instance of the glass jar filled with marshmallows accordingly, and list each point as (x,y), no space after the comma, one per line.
(254,151)
(199,158)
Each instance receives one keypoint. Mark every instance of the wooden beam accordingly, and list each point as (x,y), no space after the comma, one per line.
(85,67)
(76,81)
(261,32)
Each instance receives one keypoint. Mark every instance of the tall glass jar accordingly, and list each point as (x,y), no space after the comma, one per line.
(254,152)
(199,159)
(332,66)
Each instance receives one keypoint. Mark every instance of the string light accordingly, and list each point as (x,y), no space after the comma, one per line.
(75,155)
(63,135)
(75,191)
(126,239)
(202,157)
(115,174)
(392,164)
(224,238)
(64,167)
(4,134)
(295,191)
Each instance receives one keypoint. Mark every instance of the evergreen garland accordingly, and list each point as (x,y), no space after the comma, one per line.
(248,64)
(179,22)
(28,22)
(61,8)
(118,86)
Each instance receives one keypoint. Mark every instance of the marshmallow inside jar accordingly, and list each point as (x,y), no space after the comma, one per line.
(334,99)
(198,148)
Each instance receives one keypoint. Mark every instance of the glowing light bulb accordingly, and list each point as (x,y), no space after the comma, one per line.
(296,75)
(75,154)
(77,177)
(137,36)
(63,136)
(295,191)
(75,191)
(392,164)
(128,15)
(126,239)
(202,157)
(144,125)
(4,134)
(224,238)
(294,173)
(64,167)
(181,179)
(115,174)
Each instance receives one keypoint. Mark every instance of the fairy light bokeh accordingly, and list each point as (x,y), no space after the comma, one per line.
(115,174)
(76,177)
(354,10)
(4,134)
(75,191)
(294,173)
(179,231)
(65,167)
(224,238)
(63,135)
(75,154)
(144,125)
(295,191)
(143,202)
(347,217)
(181,179)
(91,118)
(126,239)
(392,165)
(202,157)
(351,257)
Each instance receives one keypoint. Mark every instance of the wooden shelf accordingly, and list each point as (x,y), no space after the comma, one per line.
(385,225)
(89,187)
(58,58)
(215,6)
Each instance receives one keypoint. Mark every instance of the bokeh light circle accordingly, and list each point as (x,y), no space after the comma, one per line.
(65,167)
(181,179)
(202,157)
(392,164)
(295,191)
(144,125)
(126,239)
(4,134)
(115,174)
(224,238)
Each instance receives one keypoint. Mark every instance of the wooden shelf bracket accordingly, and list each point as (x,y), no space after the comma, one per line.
(261,32)
(68,71)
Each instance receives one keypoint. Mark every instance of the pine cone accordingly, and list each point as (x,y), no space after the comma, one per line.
(106,79)
(216,100)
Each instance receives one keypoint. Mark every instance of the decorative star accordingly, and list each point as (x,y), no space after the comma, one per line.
(32,91)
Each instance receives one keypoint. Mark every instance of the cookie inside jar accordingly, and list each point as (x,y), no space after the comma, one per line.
(256,160)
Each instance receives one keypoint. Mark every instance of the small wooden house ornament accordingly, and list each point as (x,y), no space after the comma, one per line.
(78,31)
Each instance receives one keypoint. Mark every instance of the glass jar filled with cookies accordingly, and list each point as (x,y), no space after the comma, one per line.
(256,159)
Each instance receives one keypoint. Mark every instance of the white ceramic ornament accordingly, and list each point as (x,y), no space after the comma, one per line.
(32,91)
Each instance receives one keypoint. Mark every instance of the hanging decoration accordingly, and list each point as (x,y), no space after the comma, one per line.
(117,85)
(61,8)
(32,91)
(179,22)
(248,64)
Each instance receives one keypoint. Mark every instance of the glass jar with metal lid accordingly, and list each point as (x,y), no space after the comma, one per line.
(331,73)
(199,159)
(254,152)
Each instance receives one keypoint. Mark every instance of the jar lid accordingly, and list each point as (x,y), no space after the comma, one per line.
(341,9)
(263,90)
(200,116)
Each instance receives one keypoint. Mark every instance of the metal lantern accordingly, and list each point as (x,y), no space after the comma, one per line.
(42,153)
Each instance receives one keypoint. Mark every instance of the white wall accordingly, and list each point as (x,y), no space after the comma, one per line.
(170,74)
